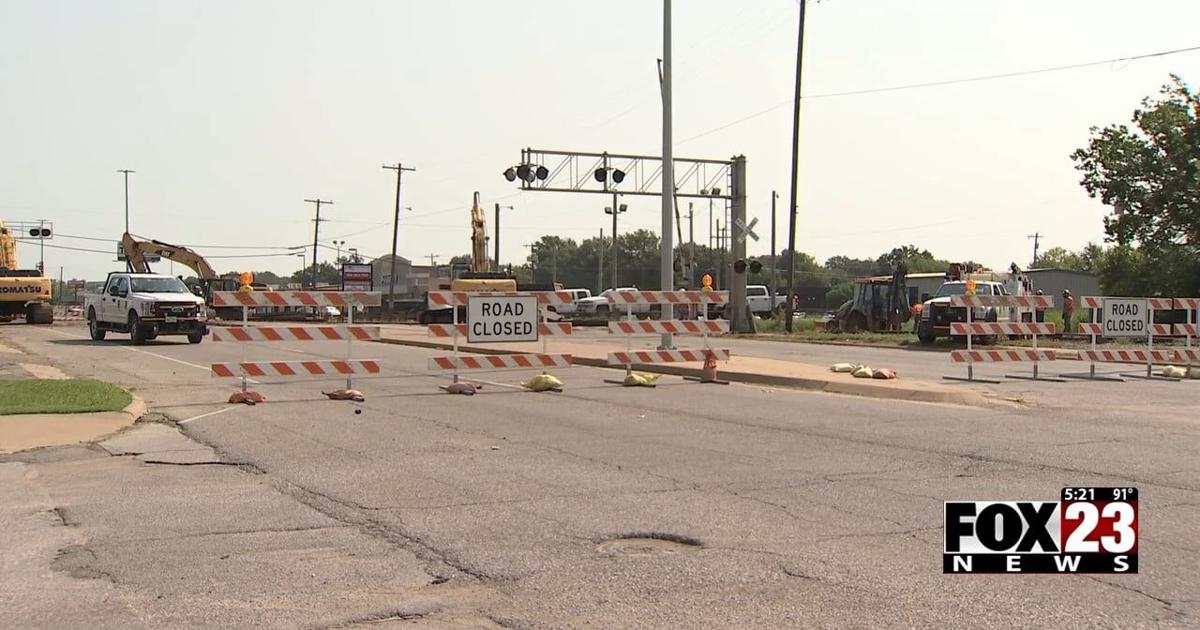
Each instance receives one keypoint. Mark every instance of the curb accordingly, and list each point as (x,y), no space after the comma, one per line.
(972,399)
(136,407)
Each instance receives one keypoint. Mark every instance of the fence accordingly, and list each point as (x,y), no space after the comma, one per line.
(971,328)
(246,334)
(631,327)
(456,331)
(1150,356)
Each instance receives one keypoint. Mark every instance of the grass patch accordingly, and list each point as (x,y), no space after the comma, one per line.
(60,396)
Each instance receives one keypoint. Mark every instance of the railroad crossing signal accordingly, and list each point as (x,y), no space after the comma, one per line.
(747,230)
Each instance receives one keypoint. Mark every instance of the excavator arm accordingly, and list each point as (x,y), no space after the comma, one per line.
(479,260)
(135,253)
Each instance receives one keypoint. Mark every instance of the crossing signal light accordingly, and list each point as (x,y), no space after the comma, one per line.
(755,266)
(39,232)
(739,266)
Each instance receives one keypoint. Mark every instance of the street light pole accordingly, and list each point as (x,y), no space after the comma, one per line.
(126,172)
(497,243)
(668,173)
(774,275)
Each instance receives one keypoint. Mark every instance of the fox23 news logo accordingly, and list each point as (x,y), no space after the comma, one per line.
(1091,530)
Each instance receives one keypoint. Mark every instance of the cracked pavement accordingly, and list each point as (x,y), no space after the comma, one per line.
(496,511)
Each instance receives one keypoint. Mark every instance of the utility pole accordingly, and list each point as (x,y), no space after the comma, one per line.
(614,211)
(400,169)
(433,261)
(600,263)
(1037,237)
(691,248)
(774,274)
(42,246)
(794,205)
(668,173)
(554,265)
(316,232)
(126,172)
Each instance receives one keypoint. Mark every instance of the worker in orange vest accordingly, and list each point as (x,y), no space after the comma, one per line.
(1068,311)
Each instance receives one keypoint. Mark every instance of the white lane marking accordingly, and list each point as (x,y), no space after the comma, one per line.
(206,368)
(205,415)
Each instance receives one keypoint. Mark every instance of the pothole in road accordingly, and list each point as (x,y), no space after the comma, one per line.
(648,544)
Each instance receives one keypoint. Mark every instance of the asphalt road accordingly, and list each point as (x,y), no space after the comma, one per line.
(747,506)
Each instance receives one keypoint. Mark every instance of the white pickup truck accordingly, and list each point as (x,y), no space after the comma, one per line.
(599,305)
(759,299)
(145,305)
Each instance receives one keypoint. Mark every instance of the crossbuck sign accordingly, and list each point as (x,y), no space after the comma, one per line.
(502,318)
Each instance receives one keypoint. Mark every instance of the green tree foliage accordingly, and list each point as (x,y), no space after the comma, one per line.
(326,274)
(839,294)
(915,259)
(1150,175)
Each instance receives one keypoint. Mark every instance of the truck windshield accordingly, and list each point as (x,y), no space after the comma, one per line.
(960,288)
(158,285)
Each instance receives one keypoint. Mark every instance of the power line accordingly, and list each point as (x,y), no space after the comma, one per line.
(927,84)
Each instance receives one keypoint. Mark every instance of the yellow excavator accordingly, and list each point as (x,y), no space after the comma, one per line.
(23,292)
(479,279)
(137,250)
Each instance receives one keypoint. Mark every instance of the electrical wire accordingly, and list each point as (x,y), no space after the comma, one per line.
(928,84)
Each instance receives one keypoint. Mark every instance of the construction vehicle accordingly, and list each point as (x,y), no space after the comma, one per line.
(479,279)
(879,304)
(23,292)
(136,252)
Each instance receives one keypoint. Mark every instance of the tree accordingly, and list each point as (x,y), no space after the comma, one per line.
(1150,175)
(326,274)
(267,277)
(915,259)
(839,294)
(1060,258)
(846,268)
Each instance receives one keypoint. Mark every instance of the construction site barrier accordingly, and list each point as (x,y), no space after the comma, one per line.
(456,331)
(630,327)
(501,362)
(1149,357)
(970,329)
(544,328)
(995,356)
(247,334)
(295,368)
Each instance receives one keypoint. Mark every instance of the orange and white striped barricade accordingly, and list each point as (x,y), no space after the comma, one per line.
(971,328)
(1188,330)
(631,327)
(247,334)
(1093,329)
(457,331)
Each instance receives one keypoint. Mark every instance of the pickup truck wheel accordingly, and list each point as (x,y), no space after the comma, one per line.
(196,337)
(137,334)
(925,333)
(94,326)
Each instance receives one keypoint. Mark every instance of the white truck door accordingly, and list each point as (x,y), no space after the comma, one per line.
(117,303)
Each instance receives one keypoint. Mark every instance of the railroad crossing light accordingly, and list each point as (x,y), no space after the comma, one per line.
(755,266)
(618,175)
(600,174)
(526,173)
(510,174)
(542,172)
(39,232)
(739,266)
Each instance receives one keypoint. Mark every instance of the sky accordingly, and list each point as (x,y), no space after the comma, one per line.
(233,113)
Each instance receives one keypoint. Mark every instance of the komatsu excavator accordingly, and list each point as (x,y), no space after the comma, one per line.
(480,279)
(23,292)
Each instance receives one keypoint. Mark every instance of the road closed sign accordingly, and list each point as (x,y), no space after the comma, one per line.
(502,318)
(1125,317)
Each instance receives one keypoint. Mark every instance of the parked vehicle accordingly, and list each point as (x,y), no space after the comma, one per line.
(937,314)
(598,305)
(145,305)
(759,299)
(573,307)
(879,304)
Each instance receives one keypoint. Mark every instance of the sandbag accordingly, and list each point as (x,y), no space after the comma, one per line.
(863,371)
(1172,371)
(467,389)
(883,373)
(542,382)
(842,367)
(640,379)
